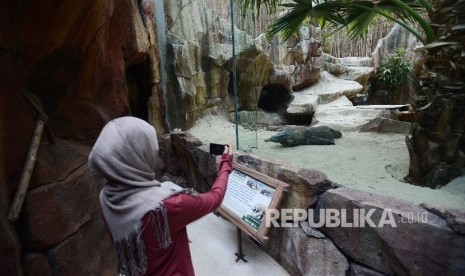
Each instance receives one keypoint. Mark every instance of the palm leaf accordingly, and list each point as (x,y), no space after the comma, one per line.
(301,11)
(402,14)
(356,15)
(246,5)
(358,18)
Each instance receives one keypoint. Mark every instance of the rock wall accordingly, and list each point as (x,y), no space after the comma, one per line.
(398,37)
(199,63)
(61,229)
(91,61)
(418,240)
(87,62)
(198,48)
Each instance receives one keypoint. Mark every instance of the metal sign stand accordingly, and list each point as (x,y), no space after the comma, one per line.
(239,254)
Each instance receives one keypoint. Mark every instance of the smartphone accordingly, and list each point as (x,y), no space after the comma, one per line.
(216,149)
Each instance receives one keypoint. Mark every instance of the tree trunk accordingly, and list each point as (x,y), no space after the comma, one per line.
(437,145)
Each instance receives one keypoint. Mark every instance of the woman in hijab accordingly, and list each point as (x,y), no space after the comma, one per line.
(147,219)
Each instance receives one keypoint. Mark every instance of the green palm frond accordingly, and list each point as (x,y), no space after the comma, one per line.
(255,5)
(360,14)
(358,18)
(301,11)
(355,15)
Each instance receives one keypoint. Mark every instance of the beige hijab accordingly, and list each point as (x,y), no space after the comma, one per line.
(126,155)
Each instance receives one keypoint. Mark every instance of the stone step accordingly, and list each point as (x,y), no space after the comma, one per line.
(326,90)
(342,115)
(347,118)
(356,61)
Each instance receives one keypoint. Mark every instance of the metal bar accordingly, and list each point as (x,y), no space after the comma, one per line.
(239,254)
(236,115)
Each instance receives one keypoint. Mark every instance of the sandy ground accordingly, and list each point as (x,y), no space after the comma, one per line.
(370,162)
(213,244)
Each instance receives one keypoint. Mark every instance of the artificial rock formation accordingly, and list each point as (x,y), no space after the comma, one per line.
(199,64)
(300,56)
(87,62)
(61,221)
(359,69)
(91,61)
(418,243)
(419,240)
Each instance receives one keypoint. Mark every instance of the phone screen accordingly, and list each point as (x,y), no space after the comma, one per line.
(216,149)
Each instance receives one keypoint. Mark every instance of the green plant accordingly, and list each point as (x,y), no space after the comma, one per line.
(437,144)
(395,70)
(356,15)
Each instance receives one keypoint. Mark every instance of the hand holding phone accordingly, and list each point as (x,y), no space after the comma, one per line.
(217,149)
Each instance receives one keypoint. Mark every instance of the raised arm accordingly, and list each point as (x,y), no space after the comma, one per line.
(184,209)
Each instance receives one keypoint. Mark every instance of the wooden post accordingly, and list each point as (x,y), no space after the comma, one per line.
(27,171)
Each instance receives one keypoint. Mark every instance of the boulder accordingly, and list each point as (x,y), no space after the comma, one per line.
(56,162)
(329,88)
(170,164)
(336,69)
(255,73)
(307,74)
(358,270)
(359,74)
(197,166)
(306,184)
(300,56)
(341,114)
(385,125)
(81,254)
(409,241)
(359,69)
(281,77)
(53,212)
(454,218)
(303,255)
(398,37)
(36,264)
(303,104)
(310,231)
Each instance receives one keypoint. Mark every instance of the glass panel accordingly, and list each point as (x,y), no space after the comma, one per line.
(246,118)
(247,130)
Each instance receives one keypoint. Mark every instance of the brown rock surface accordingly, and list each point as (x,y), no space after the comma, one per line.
(305,184)
(74,57)
(358,270)
(53,212)
(302,255)
(55,162)
(421,243)
(190,160)
(170,164)
(88,252)
(36,264)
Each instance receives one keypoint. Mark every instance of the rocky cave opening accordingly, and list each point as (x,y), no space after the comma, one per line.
(139,83)
(274,98)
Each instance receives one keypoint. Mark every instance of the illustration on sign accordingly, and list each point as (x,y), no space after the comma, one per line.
(248,198)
